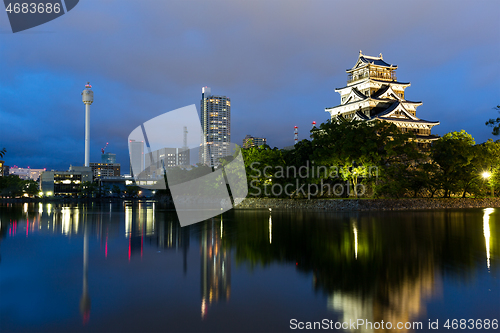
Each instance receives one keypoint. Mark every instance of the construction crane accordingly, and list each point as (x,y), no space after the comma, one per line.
(103,149)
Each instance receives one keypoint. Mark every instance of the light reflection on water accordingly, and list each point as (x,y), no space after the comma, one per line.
(395,267)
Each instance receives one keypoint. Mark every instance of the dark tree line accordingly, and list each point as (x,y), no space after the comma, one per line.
(378,158)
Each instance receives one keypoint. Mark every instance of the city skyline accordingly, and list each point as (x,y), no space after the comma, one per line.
(280,64)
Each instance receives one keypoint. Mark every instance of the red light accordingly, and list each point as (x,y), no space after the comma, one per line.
(296,127)
(314,123)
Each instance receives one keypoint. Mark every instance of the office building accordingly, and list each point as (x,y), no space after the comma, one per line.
(250,141)
(100,170)
(64,183)
(165,157)
(136,149)
(215,115)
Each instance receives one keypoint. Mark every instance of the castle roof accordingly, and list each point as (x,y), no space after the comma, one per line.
(369,60)
(375,61)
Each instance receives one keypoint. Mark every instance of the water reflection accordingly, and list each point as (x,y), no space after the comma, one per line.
(384,266)
(487,234)
(215,266)
(85,300)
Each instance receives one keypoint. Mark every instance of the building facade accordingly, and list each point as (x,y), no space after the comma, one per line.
(215,115)
(136,149)
(166,157)
(26,173)
(4,169)
(64,183)
(100,170)
(251,141)
(373,93)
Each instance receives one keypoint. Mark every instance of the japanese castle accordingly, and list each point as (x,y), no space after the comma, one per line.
(373,92)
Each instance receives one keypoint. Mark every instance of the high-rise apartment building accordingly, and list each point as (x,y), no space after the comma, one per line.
(215,115)
(136,149)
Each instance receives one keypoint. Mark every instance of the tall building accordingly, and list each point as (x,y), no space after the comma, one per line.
(373,93)
(136,149)
(250,141)
(108,158)
(215,115)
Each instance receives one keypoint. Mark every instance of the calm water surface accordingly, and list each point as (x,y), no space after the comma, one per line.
(129,267)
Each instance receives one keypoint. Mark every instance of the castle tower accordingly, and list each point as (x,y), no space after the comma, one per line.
(373,93)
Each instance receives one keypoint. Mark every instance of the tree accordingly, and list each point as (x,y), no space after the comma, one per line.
(489,163)
(2,152)
(495,123)
(31,187)
(456,157)
(132,191)
(116,190)
(363,150)
(88,189)
(11,186)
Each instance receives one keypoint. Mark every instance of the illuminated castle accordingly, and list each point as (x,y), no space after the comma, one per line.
(373,93)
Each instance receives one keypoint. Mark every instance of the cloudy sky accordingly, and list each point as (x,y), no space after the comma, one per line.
(278,61)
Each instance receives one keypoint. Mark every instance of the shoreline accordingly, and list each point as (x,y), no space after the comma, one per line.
(305,204)
(369,204)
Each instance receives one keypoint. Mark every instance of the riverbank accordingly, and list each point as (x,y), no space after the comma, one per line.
(321,204)
(368,204)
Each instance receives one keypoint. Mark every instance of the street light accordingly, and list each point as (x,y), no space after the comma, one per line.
(486,175)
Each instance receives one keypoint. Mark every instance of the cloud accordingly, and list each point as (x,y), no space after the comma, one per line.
(278,61)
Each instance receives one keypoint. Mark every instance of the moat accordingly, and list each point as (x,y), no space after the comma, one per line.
(128,266)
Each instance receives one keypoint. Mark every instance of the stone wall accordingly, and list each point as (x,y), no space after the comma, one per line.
(367,204)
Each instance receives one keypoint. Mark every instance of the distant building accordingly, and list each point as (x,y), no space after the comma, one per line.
(64,183)
(373,93)
(251,141)
(108,158)
(100,170)
(26,173)
(215,115)
(136,149)
(168,157)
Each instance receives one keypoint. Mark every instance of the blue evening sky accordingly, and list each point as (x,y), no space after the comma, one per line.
(278,61)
